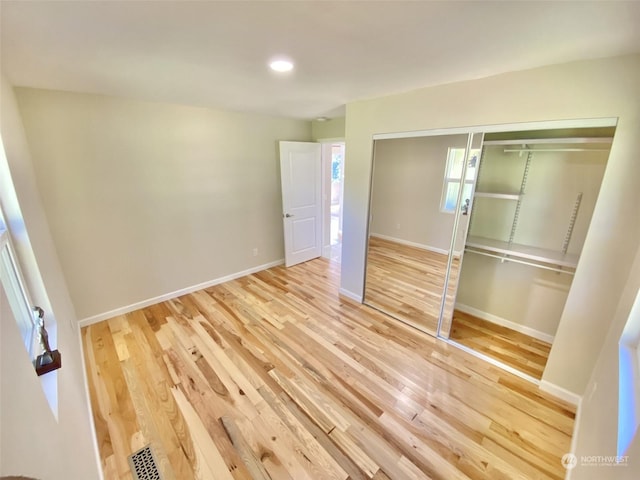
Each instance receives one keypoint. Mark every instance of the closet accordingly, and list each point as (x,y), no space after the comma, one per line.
(492,274)
(530,212)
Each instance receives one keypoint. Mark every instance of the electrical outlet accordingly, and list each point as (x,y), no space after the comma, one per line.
(397,226)
(255,252)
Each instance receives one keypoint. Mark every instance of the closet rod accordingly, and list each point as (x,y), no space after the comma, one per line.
(546,141)
(515,260)
(540,150)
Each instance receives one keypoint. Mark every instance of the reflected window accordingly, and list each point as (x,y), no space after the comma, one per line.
(453,175)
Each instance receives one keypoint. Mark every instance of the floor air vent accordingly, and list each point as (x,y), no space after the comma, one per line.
(143,465)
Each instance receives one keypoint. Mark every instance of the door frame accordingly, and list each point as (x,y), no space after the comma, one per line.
(325,158)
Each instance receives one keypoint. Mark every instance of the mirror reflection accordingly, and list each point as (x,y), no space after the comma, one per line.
(415,192)
(461,226)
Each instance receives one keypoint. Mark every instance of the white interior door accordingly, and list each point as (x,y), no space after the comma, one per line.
(300,173)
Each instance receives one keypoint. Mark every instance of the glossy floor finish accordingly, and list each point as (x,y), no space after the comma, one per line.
(522,352)
(407,282)
(273,376)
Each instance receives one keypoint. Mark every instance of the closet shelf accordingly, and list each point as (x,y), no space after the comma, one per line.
(543,255)
(498,195)
(551,141)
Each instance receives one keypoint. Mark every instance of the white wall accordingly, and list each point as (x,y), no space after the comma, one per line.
(332,128)
(145,199)
(597,424)
(31,441)
(527,297)
(588,89)
(407,189)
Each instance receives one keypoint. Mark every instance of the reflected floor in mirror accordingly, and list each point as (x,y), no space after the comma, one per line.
(522,352)
(275,376)
(406,282)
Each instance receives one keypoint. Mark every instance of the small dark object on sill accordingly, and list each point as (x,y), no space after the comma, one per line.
(48,362)
(50,359)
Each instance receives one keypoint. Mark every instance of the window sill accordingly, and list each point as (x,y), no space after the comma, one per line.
(48,381)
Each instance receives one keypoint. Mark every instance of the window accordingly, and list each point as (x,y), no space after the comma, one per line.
(453,175)
(629,380)
(15,292)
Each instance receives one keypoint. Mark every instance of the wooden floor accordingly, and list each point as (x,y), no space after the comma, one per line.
(273,376)
(407,282)
(520,351)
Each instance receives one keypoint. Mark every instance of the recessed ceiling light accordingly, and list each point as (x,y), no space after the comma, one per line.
(281,65)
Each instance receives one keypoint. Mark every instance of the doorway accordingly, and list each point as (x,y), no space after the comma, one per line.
(333,159)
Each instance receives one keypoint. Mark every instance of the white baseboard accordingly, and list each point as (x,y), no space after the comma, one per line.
(410,244)
(561,393)
(503,322)
(326,251)
(574,437)
(168,296)
(492,361)
(351,295)
(89,412)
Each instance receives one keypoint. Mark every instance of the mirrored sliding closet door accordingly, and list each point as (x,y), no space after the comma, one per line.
(475,237)
(420,189)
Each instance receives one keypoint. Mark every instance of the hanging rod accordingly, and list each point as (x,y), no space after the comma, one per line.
(515,260)
(546,141)
(540,150)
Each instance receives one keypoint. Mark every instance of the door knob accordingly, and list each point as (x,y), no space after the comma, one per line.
(288,215)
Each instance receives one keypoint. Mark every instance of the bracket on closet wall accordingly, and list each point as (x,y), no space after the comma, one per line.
(572,222)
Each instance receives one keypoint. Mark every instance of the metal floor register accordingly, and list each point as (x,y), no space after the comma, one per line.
(143,465)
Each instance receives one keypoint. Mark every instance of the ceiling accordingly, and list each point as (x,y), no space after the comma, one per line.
(216,53)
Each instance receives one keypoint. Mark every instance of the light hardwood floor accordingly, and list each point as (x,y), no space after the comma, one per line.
(520,351)
(407,282)
(275,376)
